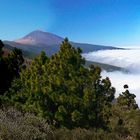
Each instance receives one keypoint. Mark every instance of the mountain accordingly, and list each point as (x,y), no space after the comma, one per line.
(28,58)
(40,37)
(106,67)
(38,41)
(27,54)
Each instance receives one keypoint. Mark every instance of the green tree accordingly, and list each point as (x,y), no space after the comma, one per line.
(98,97)
(125,114)
(64,91)
(126,100)
(1,46)
(10,68)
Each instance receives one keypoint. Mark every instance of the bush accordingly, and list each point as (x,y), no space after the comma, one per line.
(84,134)
(15,125)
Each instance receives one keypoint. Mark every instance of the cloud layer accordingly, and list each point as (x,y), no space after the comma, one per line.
(129,59)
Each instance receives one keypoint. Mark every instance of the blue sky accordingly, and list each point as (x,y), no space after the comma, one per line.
(107,22)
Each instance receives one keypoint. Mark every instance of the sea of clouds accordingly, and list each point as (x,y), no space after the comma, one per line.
(128,59)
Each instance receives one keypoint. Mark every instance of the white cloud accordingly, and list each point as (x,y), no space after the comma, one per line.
(129,59)
(118,79)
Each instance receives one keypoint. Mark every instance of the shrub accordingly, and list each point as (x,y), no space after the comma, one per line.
(15,125)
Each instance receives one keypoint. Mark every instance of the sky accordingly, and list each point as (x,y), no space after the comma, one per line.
(104,22)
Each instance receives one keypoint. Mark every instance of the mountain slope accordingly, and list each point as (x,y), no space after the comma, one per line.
(29,56)
(40,37)
(38,41)
(106,67)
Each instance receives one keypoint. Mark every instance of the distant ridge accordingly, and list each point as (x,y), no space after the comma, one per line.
(38,41)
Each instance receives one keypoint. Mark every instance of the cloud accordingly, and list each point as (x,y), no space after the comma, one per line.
(118,79)
(129,59)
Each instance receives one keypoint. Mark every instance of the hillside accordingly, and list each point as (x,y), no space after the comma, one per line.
(106,67)
(59,97)
(35,42)
(28,55)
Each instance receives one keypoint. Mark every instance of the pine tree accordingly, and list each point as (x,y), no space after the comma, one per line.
(1,46)
(126,100)
(10,68)
(64,91)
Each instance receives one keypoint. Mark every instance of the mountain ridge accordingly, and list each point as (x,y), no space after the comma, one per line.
(33,43)
(37,41)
